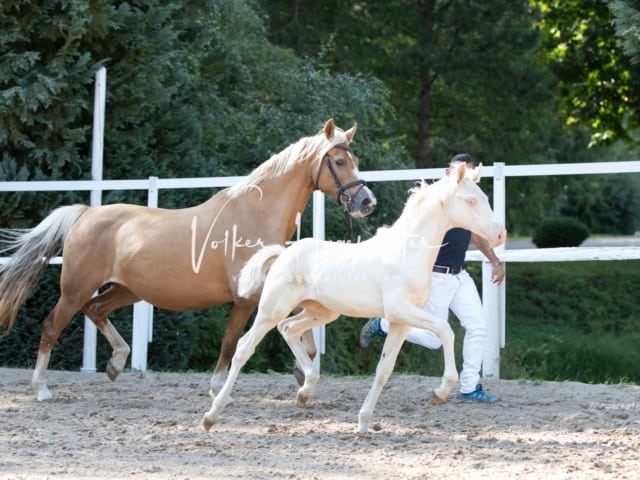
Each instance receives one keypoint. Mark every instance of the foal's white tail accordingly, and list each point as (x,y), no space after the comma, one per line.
(254,272)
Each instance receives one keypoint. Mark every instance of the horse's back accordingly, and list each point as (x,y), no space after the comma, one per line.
(150,251)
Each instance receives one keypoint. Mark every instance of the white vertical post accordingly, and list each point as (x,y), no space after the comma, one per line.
(97,146)
(142,313)
(142,333)
(319,233)
(493,296)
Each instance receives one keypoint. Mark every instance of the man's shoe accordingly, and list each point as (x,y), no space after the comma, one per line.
(479,395)
(370,330)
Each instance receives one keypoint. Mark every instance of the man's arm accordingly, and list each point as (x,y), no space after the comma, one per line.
(497,270)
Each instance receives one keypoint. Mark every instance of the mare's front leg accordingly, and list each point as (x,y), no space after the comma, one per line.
(390,349)
(238,318)
(293,330)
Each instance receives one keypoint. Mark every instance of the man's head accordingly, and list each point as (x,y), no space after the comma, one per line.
(463,158)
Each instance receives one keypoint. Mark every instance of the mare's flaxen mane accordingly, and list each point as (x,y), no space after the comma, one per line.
(282,162)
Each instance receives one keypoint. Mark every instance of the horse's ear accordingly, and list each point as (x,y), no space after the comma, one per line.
(461,172)
(328,129)
(476,173)
(351,132)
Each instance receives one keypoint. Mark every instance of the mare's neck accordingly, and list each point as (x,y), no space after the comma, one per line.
(287,196)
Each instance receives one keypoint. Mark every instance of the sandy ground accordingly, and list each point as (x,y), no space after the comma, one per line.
(146,426)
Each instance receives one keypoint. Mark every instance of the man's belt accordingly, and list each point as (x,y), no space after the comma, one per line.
(451,270)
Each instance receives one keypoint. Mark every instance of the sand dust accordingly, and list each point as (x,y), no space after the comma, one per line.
(145,425)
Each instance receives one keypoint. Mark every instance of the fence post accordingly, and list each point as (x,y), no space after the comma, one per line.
(90,331)
(142,333)
(493,296)
(319,233)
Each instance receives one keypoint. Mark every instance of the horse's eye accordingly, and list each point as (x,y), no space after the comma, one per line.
(340,162)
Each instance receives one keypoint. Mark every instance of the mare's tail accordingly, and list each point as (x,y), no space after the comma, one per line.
(255,271)
(32,249)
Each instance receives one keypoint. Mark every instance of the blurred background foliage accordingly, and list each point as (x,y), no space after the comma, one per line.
(215,87)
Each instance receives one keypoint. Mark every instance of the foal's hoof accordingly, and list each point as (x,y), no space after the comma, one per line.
(436,400)
(206,424)
(301,401)
(112,372)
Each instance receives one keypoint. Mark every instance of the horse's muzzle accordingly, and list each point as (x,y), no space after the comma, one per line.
(498,237)
(363,203)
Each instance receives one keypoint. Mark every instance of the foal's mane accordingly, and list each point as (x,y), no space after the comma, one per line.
(284,161)
(425,196)
(421,198)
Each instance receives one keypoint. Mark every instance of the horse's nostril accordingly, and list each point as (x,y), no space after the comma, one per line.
(367,207)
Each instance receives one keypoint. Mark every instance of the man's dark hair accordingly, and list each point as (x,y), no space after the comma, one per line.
(462,158)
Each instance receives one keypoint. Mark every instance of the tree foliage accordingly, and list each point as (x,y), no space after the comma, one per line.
(463,76)
(186,96)
(598,82)
(626,21)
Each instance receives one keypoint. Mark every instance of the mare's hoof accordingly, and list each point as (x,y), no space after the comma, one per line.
(112,373)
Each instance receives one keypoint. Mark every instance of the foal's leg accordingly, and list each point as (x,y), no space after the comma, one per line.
(97,309)
(293,329)
(310,346)
(391,348)
(408,313)
(245,349)
(238,318)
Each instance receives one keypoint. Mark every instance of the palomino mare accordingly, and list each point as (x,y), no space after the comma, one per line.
(183,259)
(387,275)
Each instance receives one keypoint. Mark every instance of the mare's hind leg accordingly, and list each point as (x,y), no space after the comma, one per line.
(293,330)
(391,348)
(51,329)
(98,309)
(238,318)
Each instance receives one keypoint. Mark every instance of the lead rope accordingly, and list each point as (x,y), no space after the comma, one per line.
(348,219)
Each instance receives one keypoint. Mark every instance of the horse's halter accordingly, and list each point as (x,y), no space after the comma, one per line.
(342,197)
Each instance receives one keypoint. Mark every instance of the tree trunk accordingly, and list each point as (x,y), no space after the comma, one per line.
(423,146)
(427,76)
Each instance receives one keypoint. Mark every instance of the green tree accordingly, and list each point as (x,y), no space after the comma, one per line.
(599,86)
(193,89)
(463,76)
(49,54)
(626,21)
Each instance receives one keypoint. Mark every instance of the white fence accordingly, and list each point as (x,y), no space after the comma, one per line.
(493,296)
